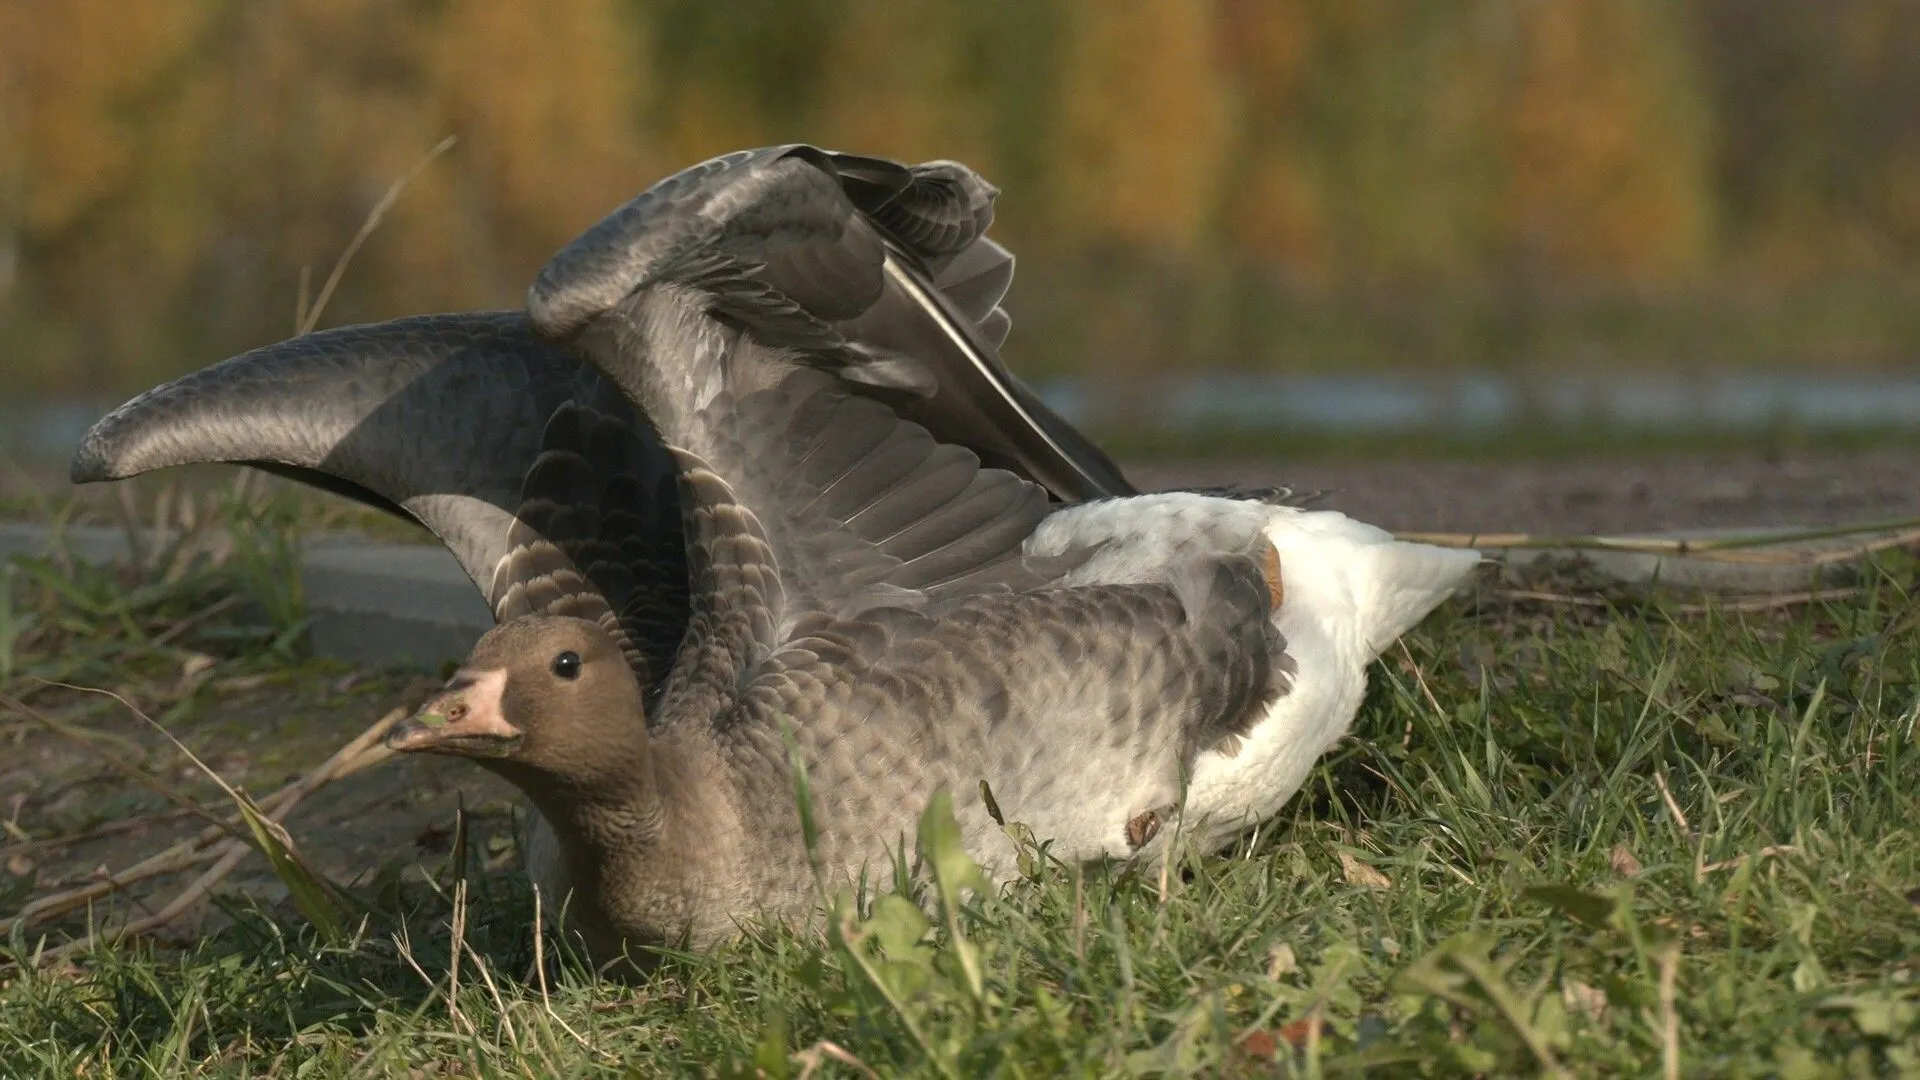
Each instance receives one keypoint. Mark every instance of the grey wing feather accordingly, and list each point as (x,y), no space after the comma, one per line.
(1198,654)
(995,328)
(736,593)
(732,341)
(857,507)
(773,556)
(1124,683)
(457,422)
(939,213)
(597,535)
(1034,692)
(775,207)
(867,249)
(977,279)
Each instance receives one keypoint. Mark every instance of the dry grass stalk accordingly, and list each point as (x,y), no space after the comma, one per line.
(1757,548)
(310,316)
(813,1057)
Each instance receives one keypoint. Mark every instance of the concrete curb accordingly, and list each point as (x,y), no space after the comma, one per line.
(385,604)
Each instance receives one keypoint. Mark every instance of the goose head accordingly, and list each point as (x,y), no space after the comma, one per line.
(550,703)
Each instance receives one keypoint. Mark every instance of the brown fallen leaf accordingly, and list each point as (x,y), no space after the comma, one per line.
(1359,873)
(1302,1031)
(193,672)
(1622,860)
(1584,1000)
(1261,1044)
(1265,1043)
(1281,961)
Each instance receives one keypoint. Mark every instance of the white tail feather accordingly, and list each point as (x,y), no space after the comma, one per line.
(1351,574)
(1406,582)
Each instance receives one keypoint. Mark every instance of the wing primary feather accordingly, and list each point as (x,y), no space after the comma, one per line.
(995,326)
(946,473)
(977,279)
(993,378)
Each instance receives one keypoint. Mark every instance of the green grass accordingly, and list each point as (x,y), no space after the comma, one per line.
(1600,840)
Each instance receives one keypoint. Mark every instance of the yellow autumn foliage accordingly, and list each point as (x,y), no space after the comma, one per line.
(169,169)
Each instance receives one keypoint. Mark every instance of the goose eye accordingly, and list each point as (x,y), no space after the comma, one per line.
(567,665)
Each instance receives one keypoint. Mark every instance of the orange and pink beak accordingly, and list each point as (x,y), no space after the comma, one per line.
(468,718)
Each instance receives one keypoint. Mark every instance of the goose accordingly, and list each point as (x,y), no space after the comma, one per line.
(885,612)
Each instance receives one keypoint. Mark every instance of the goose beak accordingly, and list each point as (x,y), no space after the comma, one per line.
(466,719)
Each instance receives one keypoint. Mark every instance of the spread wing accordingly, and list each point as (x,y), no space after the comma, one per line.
(806,503)
(892,261)
(544,482)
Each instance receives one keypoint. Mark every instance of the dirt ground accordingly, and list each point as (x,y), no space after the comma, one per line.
(1584,496)
(70,817)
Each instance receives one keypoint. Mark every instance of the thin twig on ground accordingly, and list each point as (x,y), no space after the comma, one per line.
(1753,548)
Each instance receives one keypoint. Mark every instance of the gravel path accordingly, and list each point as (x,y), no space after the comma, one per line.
(1588,496)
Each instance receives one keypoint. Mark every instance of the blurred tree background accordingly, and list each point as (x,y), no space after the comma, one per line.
(1247,184)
